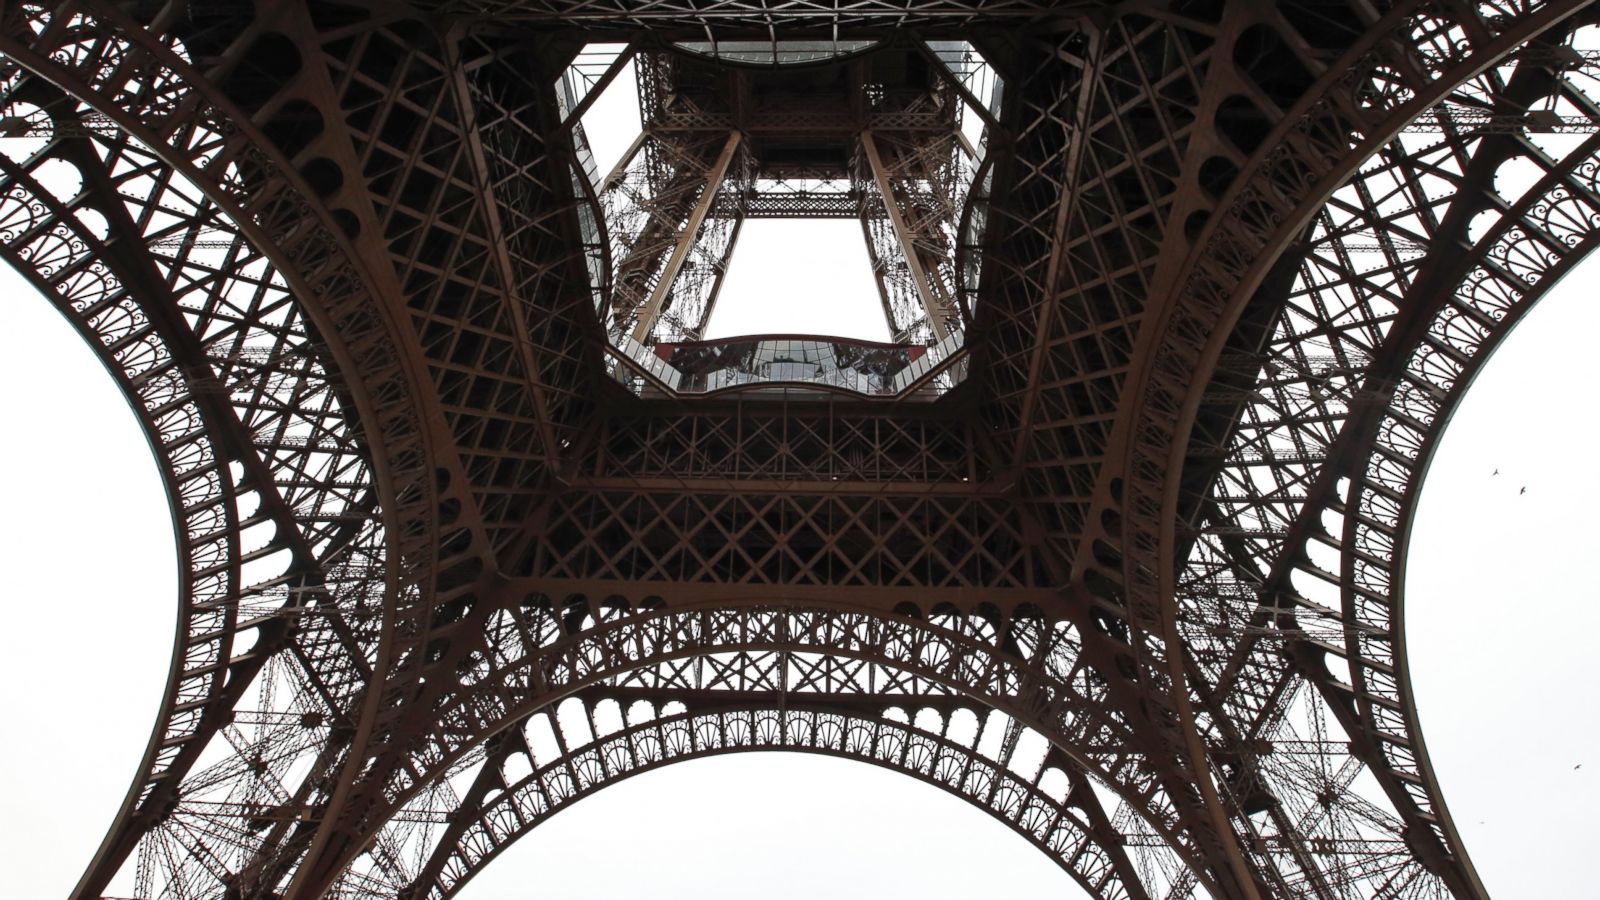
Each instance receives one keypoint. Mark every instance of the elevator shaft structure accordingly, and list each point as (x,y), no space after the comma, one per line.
(725,141)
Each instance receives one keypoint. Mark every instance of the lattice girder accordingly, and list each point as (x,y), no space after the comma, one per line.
(1038,794)
(1456,305)
(547,647)
(370,318)
(1254,676)
(1193,338)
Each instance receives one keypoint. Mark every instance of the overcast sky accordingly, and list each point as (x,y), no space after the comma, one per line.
(1502,615)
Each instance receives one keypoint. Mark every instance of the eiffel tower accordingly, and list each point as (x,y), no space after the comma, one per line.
(1107,539)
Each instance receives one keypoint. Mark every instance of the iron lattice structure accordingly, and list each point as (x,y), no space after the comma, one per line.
(1134,587)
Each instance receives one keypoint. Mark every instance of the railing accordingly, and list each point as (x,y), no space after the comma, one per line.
(829,363)
(775,52)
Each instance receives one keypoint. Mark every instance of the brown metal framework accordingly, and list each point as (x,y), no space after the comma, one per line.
(1134,587)
(876,137)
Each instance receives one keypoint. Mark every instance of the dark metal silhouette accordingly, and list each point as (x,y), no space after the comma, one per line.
(1122,567)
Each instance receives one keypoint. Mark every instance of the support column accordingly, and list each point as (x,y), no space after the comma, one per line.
(880,273)
(930,300)
(722,274)
(652,307)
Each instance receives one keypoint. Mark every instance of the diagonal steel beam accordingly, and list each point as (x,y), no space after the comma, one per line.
(680,252)
(919,274)
(721,276)
(488,202)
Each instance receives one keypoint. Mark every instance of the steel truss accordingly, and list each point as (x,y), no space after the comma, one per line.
(674,204)
(1134,588)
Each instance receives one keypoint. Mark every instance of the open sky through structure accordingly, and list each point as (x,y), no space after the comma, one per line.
(1502,616)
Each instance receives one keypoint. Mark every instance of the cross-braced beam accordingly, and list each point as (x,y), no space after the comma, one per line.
(1238,263)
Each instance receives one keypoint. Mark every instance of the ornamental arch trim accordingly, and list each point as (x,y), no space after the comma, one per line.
(1048,808)
(1039,685)
(128,111)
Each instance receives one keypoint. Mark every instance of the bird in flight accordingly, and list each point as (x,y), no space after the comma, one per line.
(1523,491)
(1495,472)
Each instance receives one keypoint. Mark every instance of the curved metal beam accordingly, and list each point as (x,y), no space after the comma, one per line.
(95,72)
(1259,217)
(1061,817)
(1388,250)
(1541,237)
(1031,672)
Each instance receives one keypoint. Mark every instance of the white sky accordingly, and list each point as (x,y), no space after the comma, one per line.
(799,277)
(612,121)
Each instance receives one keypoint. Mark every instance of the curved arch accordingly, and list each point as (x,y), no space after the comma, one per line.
(1537,241)
(1332,130)
(211,401)
(1417,306)
(44,244)
(1063,820)
(1119,543)
(1257,637)
(1261,636)
(208,148)
(1041,683)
